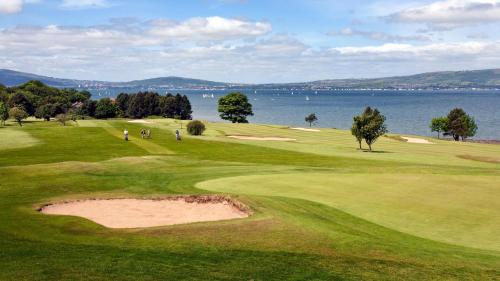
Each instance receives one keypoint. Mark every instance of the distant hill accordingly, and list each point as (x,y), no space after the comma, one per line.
(489,78)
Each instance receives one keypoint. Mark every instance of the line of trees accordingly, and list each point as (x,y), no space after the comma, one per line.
(34,98)
(145,104)
(457,124)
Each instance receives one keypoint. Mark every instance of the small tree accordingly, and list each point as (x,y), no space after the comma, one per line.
(195,128)
(62,118)
(235,108)
(18,114)
(311,118)
(356,129)
(4,113)
(439,125)
(45,111)
(460,124)
(370,125)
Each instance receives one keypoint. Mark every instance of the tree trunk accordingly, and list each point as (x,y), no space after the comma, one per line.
(438,134)
(370,146)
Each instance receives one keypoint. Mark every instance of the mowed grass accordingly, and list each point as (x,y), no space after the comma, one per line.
(323,209)
(462,210)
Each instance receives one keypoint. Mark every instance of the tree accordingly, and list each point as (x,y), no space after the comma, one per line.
(370,125)
(439,125)
(311,118)
(356,129)
(20,99)
(195,128)
(62,118)
(235,108)
(105,109)
(460,124)
(45,111)
(374,126)
(18,114)
(122,102)
(4,113)
(471,125)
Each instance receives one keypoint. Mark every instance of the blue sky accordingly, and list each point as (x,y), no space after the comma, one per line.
(247,40)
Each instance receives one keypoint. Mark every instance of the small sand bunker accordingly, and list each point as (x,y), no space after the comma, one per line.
(140,121)
(306,129)
(261,138)
(134,213)
(417,140)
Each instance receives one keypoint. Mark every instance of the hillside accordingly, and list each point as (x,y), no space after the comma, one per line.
(489,78)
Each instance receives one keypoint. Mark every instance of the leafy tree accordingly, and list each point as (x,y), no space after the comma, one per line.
(439,125)
(460,124)
(4,113)
(20,99)
(235,108)
(143,104)
(370,125)
(195,128)
(105,109)
(45,111)
(356,129)
(122,101)
(18,114)
(88,108)
(62,118)
(311,118)
(471,125)
(168,106)
(185,110)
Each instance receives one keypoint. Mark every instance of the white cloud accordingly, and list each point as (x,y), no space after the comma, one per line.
(10,6)
(449,14)
(377,35)
(83,4)
(211,28)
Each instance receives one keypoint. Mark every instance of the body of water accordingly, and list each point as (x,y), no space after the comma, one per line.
(407,112)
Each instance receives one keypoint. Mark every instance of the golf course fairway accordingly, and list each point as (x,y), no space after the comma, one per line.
(321,209)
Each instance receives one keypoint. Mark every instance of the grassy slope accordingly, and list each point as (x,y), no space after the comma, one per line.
(290,237)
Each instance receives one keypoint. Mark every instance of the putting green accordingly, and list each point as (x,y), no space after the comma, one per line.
(461,210)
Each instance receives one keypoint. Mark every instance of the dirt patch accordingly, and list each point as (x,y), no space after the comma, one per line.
(306,129)
(416,140)
(261,138)
(140,121)
(137,213)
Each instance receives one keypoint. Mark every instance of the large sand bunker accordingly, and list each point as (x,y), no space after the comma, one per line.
(306,129)
(416,140)
(133,213)
(261,138)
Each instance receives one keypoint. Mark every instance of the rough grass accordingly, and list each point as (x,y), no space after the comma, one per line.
(336,233)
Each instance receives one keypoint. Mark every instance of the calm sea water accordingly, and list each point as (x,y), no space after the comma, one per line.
(407,112)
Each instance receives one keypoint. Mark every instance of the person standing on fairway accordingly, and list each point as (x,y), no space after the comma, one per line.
(125,134)
(177,135)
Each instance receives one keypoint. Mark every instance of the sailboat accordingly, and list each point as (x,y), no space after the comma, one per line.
(307,98)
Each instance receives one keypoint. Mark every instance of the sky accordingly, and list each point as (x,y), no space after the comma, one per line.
(247,41)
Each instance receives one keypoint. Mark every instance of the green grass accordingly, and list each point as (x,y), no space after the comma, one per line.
(323,209)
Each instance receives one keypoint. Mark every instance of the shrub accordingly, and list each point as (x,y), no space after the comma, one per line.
(195,128)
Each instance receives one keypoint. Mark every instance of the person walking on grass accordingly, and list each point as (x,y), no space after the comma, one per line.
(125,134)
(143,133)
(177,135)
(148,133)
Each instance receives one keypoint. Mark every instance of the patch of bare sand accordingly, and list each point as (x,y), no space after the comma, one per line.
(140,121)
(136,213)
(306,129)
(261,138)
(417,140)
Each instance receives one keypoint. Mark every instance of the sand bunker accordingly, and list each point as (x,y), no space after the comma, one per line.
(133,213)
(140,121)
(306,129)
(261,138)
(417,140)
